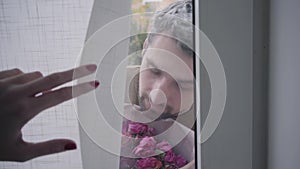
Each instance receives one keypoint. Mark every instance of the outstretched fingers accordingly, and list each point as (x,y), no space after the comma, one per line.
(57,79)
(33,150)
(24,78)
(53,98)
(10,73)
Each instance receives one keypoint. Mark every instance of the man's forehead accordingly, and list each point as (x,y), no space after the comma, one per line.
(171,44)
(171,60)
(164,41)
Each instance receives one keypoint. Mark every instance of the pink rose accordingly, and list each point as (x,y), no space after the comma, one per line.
(180,161)
(125,127)
(150,131)
(164,146)
(146,147)
(170,157)
(126,163)
(149,163)
(137,128)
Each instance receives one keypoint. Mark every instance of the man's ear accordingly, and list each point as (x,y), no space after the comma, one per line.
(145,46)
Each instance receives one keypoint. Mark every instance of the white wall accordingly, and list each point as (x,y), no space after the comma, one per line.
(104,12)
(284,124)
(229,25)
(240,32)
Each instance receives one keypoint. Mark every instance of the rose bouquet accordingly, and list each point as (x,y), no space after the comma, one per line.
(142,150)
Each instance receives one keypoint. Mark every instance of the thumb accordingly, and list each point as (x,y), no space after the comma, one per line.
(49,147)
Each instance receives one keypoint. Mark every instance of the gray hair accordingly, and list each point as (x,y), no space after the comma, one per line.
(176,21)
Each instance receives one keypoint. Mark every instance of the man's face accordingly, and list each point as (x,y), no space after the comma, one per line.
(166,84)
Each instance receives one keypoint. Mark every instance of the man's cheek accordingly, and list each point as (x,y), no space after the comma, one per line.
(145,80)
(188,100)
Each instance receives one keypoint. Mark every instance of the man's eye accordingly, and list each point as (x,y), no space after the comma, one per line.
(155,71)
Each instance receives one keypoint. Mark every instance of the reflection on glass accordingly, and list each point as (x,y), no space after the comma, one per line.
(159,111)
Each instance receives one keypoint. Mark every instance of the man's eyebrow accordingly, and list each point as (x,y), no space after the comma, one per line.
(150,62)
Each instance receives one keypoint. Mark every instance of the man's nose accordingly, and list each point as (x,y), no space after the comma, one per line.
(162,83)
(160,90)
(158,97)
